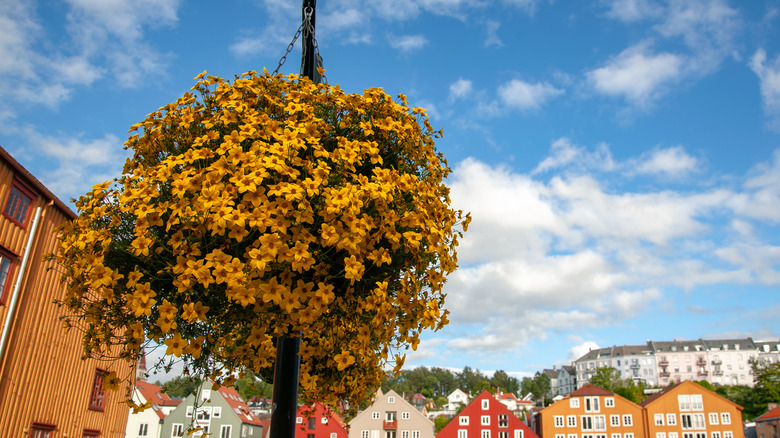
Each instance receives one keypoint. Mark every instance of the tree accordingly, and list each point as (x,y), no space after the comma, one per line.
(538,386)
(505,382)
(607,378)
(263,208)
(181,386)
(441,421)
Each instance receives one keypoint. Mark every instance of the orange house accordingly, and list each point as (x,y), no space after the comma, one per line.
(46,390)
(689,410)
(591,412)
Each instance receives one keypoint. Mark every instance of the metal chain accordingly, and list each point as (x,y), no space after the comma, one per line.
(307,27)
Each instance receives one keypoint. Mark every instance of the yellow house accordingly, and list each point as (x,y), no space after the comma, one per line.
(689,410)
(591,412)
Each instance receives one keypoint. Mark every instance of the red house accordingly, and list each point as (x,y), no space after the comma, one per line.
(319,421)
(486,417)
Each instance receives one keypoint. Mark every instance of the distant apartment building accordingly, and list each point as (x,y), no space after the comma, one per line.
(660,363)
(390,416)
(563,380)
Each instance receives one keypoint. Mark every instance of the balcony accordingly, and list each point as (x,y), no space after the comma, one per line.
(703,372)
(391,425)
(664,374)
(717,362)
(718,372)
(634,366)
(663,362)
(701,362)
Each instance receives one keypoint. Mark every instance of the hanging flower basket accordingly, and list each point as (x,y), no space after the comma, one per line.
(265,207)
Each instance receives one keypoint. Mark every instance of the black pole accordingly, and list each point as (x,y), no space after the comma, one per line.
(288,362)
(308,62)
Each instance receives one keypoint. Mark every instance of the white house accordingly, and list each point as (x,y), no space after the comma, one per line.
(148,424)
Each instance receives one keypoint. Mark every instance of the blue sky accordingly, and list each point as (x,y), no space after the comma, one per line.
(621,158)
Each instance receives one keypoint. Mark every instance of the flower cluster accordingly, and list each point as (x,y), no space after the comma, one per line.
(270,206)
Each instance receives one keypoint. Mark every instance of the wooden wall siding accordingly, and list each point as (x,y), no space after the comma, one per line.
(42,376)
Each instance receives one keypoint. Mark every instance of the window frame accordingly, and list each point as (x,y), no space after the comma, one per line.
(7,281)
(24,190)
(90,433)
(725,418)
(463,420)
(97,395)
(228,428)
(630,421)
(44,430)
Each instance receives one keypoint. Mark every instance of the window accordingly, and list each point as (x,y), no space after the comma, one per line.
(485,420)
(98,393)
(614,420)
(143,429)
(391,399)
(89,433)
(628,421)
(189,412)
(671,420)
(599,423)
(503,420)
(587,422)
(299,420)
(485,433)
(226,431)
(389,434)
(17,206)
(659,419)
(715,434)
(203,414)
(375,415)
(363,434)
(390,416)
(684,402)
(686,421)
(574,403)
(205,394)
(217,413)
(591,404)
(6,263)
(312,423)
(628,435)
(725,418)
(309,435)
(464,420)
(728,434)
(324,420)
(660,435)
(672,434)
(698,422)
(560,435)
(404,434)
(177,430)
(571,421)
(485,404)
(405,415)
(558,420)
(518,433)
(615,435)
(463,433)
(503,434)
(333,435)
(696,402)
(609,402)
(39,430)
(714,418)
(415,434)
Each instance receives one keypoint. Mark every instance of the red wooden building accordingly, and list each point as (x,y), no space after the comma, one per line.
(486,417)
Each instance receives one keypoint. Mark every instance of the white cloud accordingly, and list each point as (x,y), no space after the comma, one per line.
(674,162)
(407,43)
(769,79)
(582,349)
(633,10)
(637,75)
(492,34)
(460,89)
(574,252)
(526,96)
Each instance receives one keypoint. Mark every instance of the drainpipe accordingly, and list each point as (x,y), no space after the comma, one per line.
(18,286)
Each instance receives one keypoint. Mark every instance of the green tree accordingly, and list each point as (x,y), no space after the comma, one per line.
(505,382)
(538,386)
(607,378)
(441,421)
(252,386)
(181,386)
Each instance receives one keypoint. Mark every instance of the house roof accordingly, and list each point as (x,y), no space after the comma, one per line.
(589,389)
(240,408)
(154,393)
(507,396)
(686,384)
(552,373)
(773,414)
(30,179)
(418,396)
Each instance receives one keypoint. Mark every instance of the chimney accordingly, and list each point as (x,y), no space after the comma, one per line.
(770,406)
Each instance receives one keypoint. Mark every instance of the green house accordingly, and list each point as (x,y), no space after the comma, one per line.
(222,413)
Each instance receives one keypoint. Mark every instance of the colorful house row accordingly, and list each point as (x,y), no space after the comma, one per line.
(35,351)
(684,410)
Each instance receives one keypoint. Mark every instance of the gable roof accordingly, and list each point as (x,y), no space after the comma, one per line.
(683,385)
(495,407)
(773,414)
(588,389)
(154,393)
(240,408)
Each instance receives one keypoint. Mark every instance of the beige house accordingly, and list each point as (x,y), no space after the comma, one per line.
(390,416)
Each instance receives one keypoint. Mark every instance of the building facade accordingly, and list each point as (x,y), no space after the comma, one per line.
(390,416)
(319,421)
(149,423)
(486,417)
(768,425)
(689,410)
(222,413)
(34,348)
(590,412)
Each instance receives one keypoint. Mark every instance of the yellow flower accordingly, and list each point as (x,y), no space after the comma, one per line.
(111,381)
(344,359)
(176,345)
(353,269)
